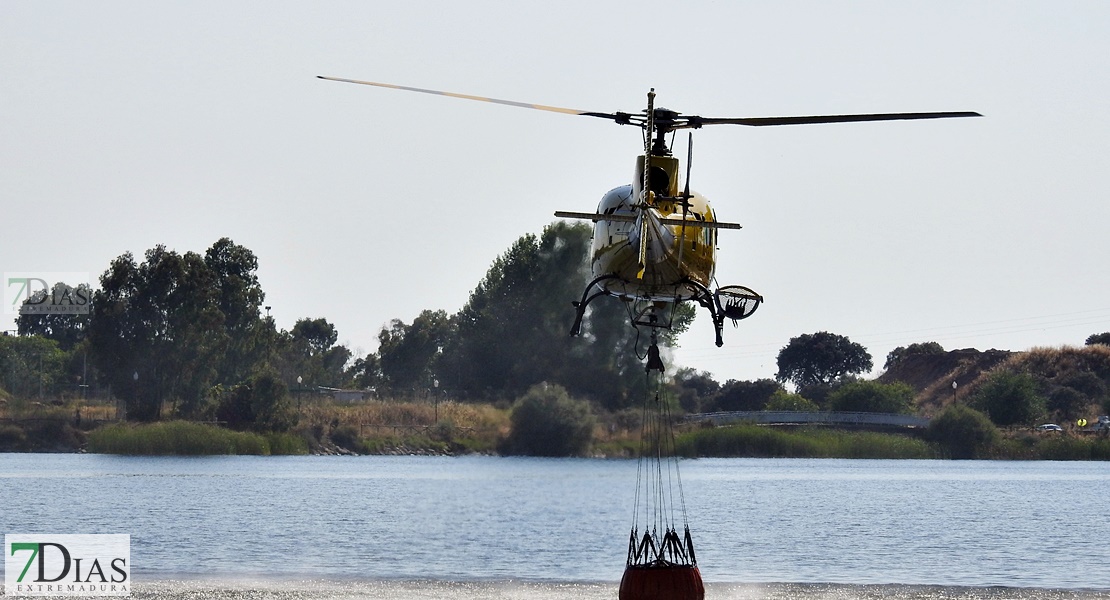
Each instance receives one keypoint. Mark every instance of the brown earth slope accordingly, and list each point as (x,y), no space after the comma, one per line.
(931,375)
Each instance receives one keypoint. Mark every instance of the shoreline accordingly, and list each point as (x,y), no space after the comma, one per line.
(328,588)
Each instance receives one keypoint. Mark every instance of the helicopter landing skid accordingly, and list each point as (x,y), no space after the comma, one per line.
(703,297)
(587,298)
(706,298)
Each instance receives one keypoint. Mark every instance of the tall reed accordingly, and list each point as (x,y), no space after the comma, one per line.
(187,439)
(810,442)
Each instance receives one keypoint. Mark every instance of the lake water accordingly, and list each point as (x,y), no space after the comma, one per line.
(490,527)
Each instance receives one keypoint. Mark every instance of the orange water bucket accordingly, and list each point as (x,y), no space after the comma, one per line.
(670,582)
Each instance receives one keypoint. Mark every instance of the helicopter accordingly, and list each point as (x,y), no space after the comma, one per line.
(655,244)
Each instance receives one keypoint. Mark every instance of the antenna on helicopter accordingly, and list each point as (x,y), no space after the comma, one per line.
(685,201)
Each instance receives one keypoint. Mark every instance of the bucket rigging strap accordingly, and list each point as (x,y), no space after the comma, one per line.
(659,487)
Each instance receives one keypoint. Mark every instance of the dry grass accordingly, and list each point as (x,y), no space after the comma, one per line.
(406,414)
(34,409)
(1051,363)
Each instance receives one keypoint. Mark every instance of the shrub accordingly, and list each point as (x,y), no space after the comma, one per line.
(1067,402)
(273,410)
(783,400)
(1010,399)
(262,404)
(346,436)
(546,421)
(52,435)
(12,438)
(1090,385)
(872,396)
(963,432)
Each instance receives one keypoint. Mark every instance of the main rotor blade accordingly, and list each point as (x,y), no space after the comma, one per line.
(696,122)
(558,109)
(674,121)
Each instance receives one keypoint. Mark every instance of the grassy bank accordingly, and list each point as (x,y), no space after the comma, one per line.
(403,427)
(817,442)
(189,439)
(452,428)
(1053,446)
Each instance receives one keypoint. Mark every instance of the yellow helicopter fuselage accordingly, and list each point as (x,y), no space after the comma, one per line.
(679,249)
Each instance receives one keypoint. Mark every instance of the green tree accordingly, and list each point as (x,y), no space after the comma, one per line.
(30,365)
(546,421)
(963,432)
(156,331)
(310,352)
(175,325)
(366,373)
(1010,399)
(513,331)
(872,396)
(68,329)
(744,395)
(408,354)
(694,388)
(1099,338)
(316,335)
(783,400)
(270,403)
(239,297)
(821,358)
(507,336)
(900,353)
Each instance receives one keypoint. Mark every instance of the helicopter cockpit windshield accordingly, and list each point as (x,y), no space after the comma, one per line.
(659,181)
(662,177)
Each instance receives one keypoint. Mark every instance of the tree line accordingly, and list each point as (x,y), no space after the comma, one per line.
(182,335)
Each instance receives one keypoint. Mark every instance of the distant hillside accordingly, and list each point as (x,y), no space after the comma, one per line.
(931,375)
(1085,369)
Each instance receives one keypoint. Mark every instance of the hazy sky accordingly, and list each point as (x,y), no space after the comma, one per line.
(129,124)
